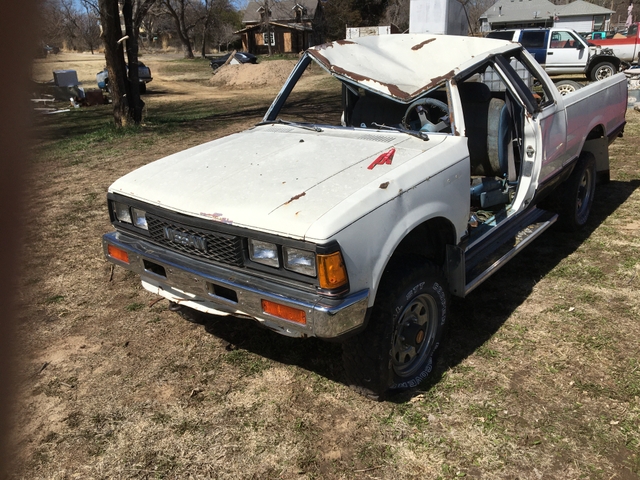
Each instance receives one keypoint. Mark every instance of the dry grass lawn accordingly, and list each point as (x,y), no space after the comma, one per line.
(540,378)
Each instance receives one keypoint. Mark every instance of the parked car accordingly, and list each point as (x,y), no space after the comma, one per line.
(144,77)
(625,45)
(239,57)
(563,51)
(356,217)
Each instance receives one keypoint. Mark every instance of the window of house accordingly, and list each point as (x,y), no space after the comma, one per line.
(598,23)
(269,38)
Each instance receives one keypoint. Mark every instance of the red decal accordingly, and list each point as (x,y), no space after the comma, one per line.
(384,159)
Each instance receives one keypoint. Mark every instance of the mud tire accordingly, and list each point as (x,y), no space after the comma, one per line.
(398,348)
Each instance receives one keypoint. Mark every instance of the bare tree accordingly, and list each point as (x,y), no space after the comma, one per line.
(112,39)
(124,86)
(179,11)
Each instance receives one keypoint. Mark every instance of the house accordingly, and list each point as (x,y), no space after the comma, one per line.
(579,15)
(583,17)
(290,26)
(518,14)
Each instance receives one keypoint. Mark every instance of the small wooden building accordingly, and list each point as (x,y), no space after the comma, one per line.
(291,26)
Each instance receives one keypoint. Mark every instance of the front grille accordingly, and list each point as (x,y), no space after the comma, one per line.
(215,246)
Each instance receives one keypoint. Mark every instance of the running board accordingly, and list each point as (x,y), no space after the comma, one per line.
(483,260)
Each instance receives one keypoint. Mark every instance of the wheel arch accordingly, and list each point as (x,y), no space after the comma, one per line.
(597,143)
(427,240)
(597,59)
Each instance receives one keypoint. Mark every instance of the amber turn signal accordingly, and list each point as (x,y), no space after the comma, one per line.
(282,311)
(118,253)
(331,271)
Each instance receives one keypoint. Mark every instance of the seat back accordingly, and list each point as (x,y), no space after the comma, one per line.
(488,124)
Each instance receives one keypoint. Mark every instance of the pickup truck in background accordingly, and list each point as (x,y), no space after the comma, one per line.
(625,47)
(562,51)
(144,77)
(353,213)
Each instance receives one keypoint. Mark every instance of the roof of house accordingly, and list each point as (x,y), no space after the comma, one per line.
(519,10)
(282,10)
(580,7)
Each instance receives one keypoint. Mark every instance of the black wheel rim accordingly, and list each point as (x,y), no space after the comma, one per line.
(414,335)
(583,200)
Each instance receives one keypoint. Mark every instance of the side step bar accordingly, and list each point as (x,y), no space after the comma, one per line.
(486,258)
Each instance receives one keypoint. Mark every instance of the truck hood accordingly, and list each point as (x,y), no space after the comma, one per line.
(278,179)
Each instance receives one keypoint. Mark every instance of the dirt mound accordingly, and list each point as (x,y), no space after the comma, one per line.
(271,73)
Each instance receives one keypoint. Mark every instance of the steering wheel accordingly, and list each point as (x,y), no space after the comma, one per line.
(425,123)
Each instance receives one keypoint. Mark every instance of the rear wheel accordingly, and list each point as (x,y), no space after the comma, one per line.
(576,195)
(602,70)
(568,86)
(397,349)
(143,87)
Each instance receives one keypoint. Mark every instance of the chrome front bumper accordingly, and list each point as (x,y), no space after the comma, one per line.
(199,285)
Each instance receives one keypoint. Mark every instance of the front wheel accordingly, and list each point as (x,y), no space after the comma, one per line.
(397,349)
(602,70)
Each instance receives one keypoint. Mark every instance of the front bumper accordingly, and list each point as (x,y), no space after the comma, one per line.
(213,289)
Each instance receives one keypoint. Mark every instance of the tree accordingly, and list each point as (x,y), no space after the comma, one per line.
(338,15)
(180,11)
(124,86)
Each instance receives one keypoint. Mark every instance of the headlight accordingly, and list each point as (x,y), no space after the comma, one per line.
(300,261)
(139,218)
(264,252)
(134,216)
(122,212)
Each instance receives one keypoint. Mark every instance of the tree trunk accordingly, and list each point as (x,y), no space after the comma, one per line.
(135,103)
(181,26)
(114,55)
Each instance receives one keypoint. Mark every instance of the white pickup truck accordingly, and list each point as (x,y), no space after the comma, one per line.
(364,200)
(561,51)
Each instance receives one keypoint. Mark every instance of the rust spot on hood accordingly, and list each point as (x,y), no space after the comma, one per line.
(295,198)
(422,44)
(344,42)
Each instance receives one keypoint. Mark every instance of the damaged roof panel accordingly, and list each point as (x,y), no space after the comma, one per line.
(404,66)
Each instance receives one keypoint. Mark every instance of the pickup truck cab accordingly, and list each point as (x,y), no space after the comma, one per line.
(365,199)
(563,51)
(625,47)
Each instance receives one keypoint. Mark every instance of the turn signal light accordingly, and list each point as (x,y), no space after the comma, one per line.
(118,253)
(331,271)
(282,311)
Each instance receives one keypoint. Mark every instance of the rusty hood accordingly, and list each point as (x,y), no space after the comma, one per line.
(403,66)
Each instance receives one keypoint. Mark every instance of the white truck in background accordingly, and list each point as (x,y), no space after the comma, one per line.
(563,51)
(356,217)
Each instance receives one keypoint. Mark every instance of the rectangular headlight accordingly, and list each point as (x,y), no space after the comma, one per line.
(139,218)
(122,212)
(300,261)
(264,252)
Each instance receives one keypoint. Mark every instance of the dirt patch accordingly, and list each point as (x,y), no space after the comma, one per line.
(272,73)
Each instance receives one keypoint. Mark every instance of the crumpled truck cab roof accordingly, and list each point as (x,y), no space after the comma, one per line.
(404,66)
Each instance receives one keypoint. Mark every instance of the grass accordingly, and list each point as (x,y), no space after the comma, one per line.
(539,377)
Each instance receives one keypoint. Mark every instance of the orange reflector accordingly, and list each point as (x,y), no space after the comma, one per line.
(118,253)
(331,271)
(283,311)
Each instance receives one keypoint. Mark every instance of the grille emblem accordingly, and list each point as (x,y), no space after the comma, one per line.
(185,239)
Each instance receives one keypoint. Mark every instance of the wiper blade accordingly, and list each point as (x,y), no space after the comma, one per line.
(292,124)
(413,133)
